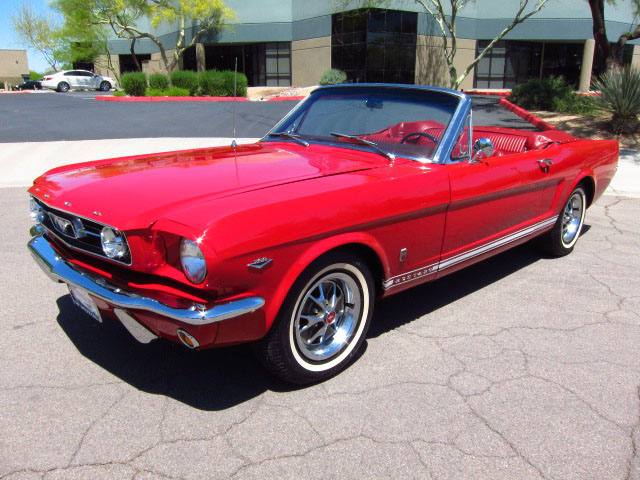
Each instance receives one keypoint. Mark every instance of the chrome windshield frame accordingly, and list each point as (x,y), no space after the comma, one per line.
(449,137)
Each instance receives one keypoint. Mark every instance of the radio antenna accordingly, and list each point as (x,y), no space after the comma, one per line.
(235,86)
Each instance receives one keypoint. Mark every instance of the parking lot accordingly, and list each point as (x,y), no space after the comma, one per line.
(520,367)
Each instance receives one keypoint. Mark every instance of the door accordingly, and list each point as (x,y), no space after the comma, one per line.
(494,203)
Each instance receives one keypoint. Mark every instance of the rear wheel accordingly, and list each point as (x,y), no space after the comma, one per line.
(561,240)
(63,87)
(105,86)
(323,321)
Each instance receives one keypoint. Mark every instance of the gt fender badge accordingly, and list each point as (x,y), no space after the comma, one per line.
(260,264)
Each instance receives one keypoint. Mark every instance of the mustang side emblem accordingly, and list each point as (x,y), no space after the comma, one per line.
(260,263)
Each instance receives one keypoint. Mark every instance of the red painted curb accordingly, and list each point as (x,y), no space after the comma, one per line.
(480,92)
(525,115)
(14,92)
(105,98)
(282,99)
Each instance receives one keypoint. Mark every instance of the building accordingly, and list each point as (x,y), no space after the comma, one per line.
(14,66)
(292,42)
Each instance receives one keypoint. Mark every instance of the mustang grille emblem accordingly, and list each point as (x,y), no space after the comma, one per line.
(69,228)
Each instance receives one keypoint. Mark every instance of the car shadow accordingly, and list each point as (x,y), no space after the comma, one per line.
(217,379)
(404,307)
(211,380)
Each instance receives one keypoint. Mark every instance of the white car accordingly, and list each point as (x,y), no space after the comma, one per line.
(66,79)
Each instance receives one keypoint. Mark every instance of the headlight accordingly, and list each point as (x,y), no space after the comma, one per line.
(37,215)
(113,244)
(192,260)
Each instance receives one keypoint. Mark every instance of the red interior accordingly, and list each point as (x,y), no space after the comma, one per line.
(505,140)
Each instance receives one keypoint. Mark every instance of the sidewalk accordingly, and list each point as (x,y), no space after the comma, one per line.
(20,163)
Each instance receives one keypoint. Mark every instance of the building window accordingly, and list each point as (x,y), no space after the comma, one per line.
(278,66)
(512,62)
(128,64)
(262,63)
(375,45)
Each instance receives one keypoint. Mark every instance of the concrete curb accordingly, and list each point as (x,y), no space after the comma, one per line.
(527,116)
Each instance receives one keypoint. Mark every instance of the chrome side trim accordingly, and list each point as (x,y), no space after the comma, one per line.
(59,270)
(464,256)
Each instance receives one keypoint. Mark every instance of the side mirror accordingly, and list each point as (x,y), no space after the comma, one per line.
(482,146)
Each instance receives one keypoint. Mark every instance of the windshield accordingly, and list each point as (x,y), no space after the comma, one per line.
(401,121)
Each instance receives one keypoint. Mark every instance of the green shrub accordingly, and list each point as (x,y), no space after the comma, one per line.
(620,96)
(158,81)
(119,93)
(211,83)
(185,79)
(333,77)
(155,92)
(228,81)
(177,92)
(550,93)
(33,75)
(134,83)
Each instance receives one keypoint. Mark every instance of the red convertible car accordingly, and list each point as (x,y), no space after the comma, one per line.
(360,192)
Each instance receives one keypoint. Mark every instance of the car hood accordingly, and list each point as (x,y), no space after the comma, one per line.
(133,192)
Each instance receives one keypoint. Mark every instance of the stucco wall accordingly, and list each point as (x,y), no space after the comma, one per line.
(309,59)
(100,66)
(13,63)
(431,67)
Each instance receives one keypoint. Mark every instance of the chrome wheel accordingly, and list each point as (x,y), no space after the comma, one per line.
(327,317)
(323,321)
(566,231)
(572,217)
(105,86)
(63,87)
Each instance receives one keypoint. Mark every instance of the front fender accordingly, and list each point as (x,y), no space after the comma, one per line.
(312,253)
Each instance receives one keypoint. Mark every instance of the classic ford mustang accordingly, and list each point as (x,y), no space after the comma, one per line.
(360,192)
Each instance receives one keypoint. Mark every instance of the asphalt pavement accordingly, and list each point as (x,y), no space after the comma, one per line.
(519,367)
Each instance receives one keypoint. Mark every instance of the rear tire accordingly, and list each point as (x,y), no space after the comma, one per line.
(63,87)
(561,240)
(105,86)
(323,321)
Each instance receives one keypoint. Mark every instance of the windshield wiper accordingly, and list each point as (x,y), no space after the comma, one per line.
(292,136)
(373,145)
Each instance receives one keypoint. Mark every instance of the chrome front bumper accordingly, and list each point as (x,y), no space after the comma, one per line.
(59,270)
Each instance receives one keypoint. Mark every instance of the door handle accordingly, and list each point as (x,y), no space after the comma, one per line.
(544,164)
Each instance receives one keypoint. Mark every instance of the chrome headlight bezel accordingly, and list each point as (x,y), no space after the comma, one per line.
(37,214)
(114,245)
(192,261)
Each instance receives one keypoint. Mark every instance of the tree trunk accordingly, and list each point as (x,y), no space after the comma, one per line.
(133,54)
(602,53)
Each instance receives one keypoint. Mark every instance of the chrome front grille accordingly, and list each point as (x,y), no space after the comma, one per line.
(77,232)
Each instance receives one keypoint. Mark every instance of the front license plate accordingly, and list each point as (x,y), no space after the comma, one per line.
(85,302)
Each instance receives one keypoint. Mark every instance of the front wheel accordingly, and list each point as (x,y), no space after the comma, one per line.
(561,240)
(322,322)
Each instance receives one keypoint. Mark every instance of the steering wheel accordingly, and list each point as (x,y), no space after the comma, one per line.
(419,134)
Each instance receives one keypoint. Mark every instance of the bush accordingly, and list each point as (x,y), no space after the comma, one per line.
(333,77)
(167,92)
(620,96)
(119,93)
(211,83)
(134,83)
(158,81)
(177,92)
(155,92)
(550,93)
(227,82)
(185,79)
